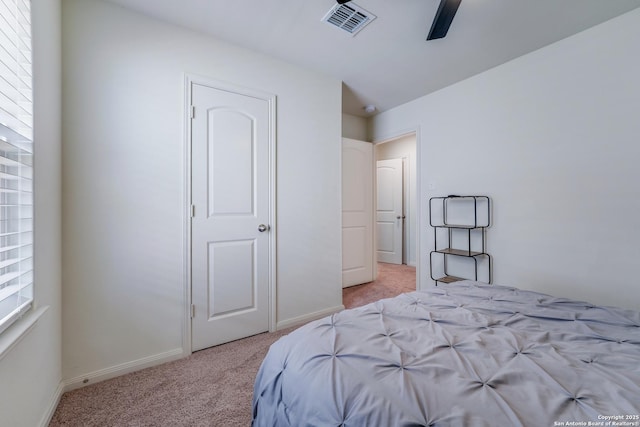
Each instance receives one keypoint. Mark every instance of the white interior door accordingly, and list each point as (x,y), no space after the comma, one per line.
(389,211)
(357,212)
(230,242)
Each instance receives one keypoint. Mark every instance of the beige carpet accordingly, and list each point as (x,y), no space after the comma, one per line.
(392,280)
(212,387)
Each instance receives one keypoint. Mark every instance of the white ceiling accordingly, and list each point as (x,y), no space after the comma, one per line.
(389,62)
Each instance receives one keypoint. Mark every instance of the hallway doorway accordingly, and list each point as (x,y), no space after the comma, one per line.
(403,150)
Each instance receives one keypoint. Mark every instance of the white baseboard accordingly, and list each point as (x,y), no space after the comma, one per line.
(295,321)
(124,368)
(51,407)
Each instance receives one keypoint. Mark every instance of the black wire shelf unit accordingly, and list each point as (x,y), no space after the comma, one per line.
(463,221)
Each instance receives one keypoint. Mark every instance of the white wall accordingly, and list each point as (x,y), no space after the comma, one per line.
(552,137)
(405,148)
(124,188)
(354,127)
(30,371)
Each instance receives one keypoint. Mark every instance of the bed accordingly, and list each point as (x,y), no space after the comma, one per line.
(463,354)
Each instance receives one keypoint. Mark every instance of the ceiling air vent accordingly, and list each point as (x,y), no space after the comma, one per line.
(350,18)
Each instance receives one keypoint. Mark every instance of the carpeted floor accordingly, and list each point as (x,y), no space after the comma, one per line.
(392,280)
(212,387)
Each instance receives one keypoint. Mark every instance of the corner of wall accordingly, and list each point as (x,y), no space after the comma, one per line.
(354,127)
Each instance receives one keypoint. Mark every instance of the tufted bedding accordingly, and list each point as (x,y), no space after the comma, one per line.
(464,354)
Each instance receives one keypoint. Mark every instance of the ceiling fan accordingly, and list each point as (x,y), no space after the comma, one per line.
(442,21)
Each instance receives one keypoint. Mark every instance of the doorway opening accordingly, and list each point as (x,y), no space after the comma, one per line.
(380,226)
(396,200)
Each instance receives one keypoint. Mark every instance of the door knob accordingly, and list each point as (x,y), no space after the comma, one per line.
(262,228)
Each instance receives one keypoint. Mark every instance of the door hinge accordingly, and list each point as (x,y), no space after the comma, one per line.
(193,311)
(192,211)
(192,113)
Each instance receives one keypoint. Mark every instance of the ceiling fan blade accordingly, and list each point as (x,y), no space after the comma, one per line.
(441,23)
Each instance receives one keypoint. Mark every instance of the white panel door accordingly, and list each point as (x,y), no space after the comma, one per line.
(230,242)
(389,211)
(357,212)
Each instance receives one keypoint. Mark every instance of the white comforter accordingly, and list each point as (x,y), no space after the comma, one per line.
(464,354)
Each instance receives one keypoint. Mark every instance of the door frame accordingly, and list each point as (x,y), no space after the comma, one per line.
(189,81)
(420,284)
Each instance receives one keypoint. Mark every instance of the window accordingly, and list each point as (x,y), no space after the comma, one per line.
(16,161)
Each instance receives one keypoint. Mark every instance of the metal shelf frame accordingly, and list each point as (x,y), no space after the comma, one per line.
(478,226)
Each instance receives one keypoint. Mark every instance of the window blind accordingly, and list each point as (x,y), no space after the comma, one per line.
(16,161)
